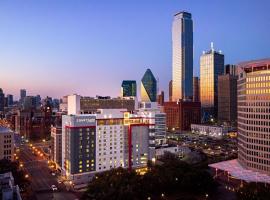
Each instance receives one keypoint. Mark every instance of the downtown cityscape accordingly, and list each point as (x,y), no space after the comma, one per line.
(182,120)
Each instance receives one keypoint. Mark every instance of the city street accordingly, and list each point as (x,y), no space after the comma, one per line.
(40,175)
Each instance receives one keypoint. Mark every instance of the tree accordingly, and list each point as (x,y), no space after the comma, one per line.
(19,178)
(173,177)
(254,191)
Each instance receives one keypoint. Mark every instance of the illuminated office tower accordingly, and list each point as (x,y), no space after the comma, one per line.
(253,115)
(182,56)
(211,66)
(148,87)
(129,88)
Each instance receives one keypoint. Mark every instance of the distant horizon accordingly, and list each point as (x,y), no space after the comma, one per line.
(88,48)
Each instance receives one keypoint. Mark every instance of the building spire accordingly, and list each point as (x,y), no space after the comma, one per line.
(212,46)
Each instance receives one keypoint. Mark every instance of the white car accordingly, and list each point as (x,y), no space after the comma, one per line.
(54,188)
(53,174)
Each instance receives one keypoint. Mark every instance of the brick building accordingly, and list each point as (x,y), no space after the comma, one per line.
(180,115)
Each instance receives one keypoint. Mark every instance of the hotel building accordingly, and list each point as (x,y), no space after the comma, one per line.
(253,112)
(111,138)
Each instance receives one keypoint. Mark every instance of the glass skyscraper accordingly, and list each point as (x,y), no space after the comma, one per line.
(148,87)
(211,66)
(182,56)
(129,88)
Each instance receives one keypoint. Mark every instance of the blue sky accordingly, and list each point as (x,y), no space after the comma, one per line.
(56,47)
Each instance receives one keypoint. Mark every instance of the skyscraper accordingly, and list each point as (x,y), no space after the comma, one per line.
(211,66)
(161,98)
(253,115)
(2,100)
(182,56)
(148,87)
(227,99)
(196,89)
(129,88)
(170,90)
(230,69)
(9,100)
(22,95)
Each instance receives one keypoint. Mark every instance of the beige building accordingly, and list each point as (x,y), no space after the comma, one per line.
(56,142)
(253,113)
(6,143)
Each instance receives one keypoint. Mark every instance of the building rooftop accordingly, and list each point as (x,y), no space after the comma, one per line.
(234,168)
(4,129)
(255,63)
(183,14)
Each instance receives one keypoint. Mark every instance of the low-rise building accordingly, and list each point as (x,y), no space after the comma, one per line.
(6,143)
(178,150)
(8,190)
(56,145)
(209,130)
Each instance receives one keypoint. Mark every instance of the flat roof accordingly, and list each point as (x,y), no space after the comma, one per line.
(4,129)
(235,169)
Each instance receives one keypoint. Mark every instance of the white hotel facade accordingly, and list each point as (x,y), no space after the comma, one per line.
(112,138)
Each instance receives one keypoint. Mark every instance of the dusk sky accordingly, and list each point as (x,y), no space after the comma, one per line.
(88,47)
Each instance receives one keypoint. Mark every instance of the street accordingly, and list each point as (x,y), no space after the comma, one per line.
(40,175)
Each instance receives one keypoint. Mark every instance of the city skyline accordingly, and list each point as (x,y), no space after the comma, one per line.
(79,50)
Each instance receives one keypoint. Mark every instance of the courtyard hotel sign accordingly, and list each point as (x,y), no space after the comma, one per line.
(89,120)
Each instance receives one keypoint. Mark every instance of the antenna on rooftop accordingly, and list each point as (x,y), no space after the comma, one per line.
(212,46)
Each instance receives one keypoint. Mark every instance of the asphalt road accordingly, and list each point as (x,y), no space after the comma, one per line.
(40,176)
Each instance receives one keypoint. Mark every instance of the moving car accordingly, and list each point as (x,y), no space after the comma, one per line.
(54,188)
